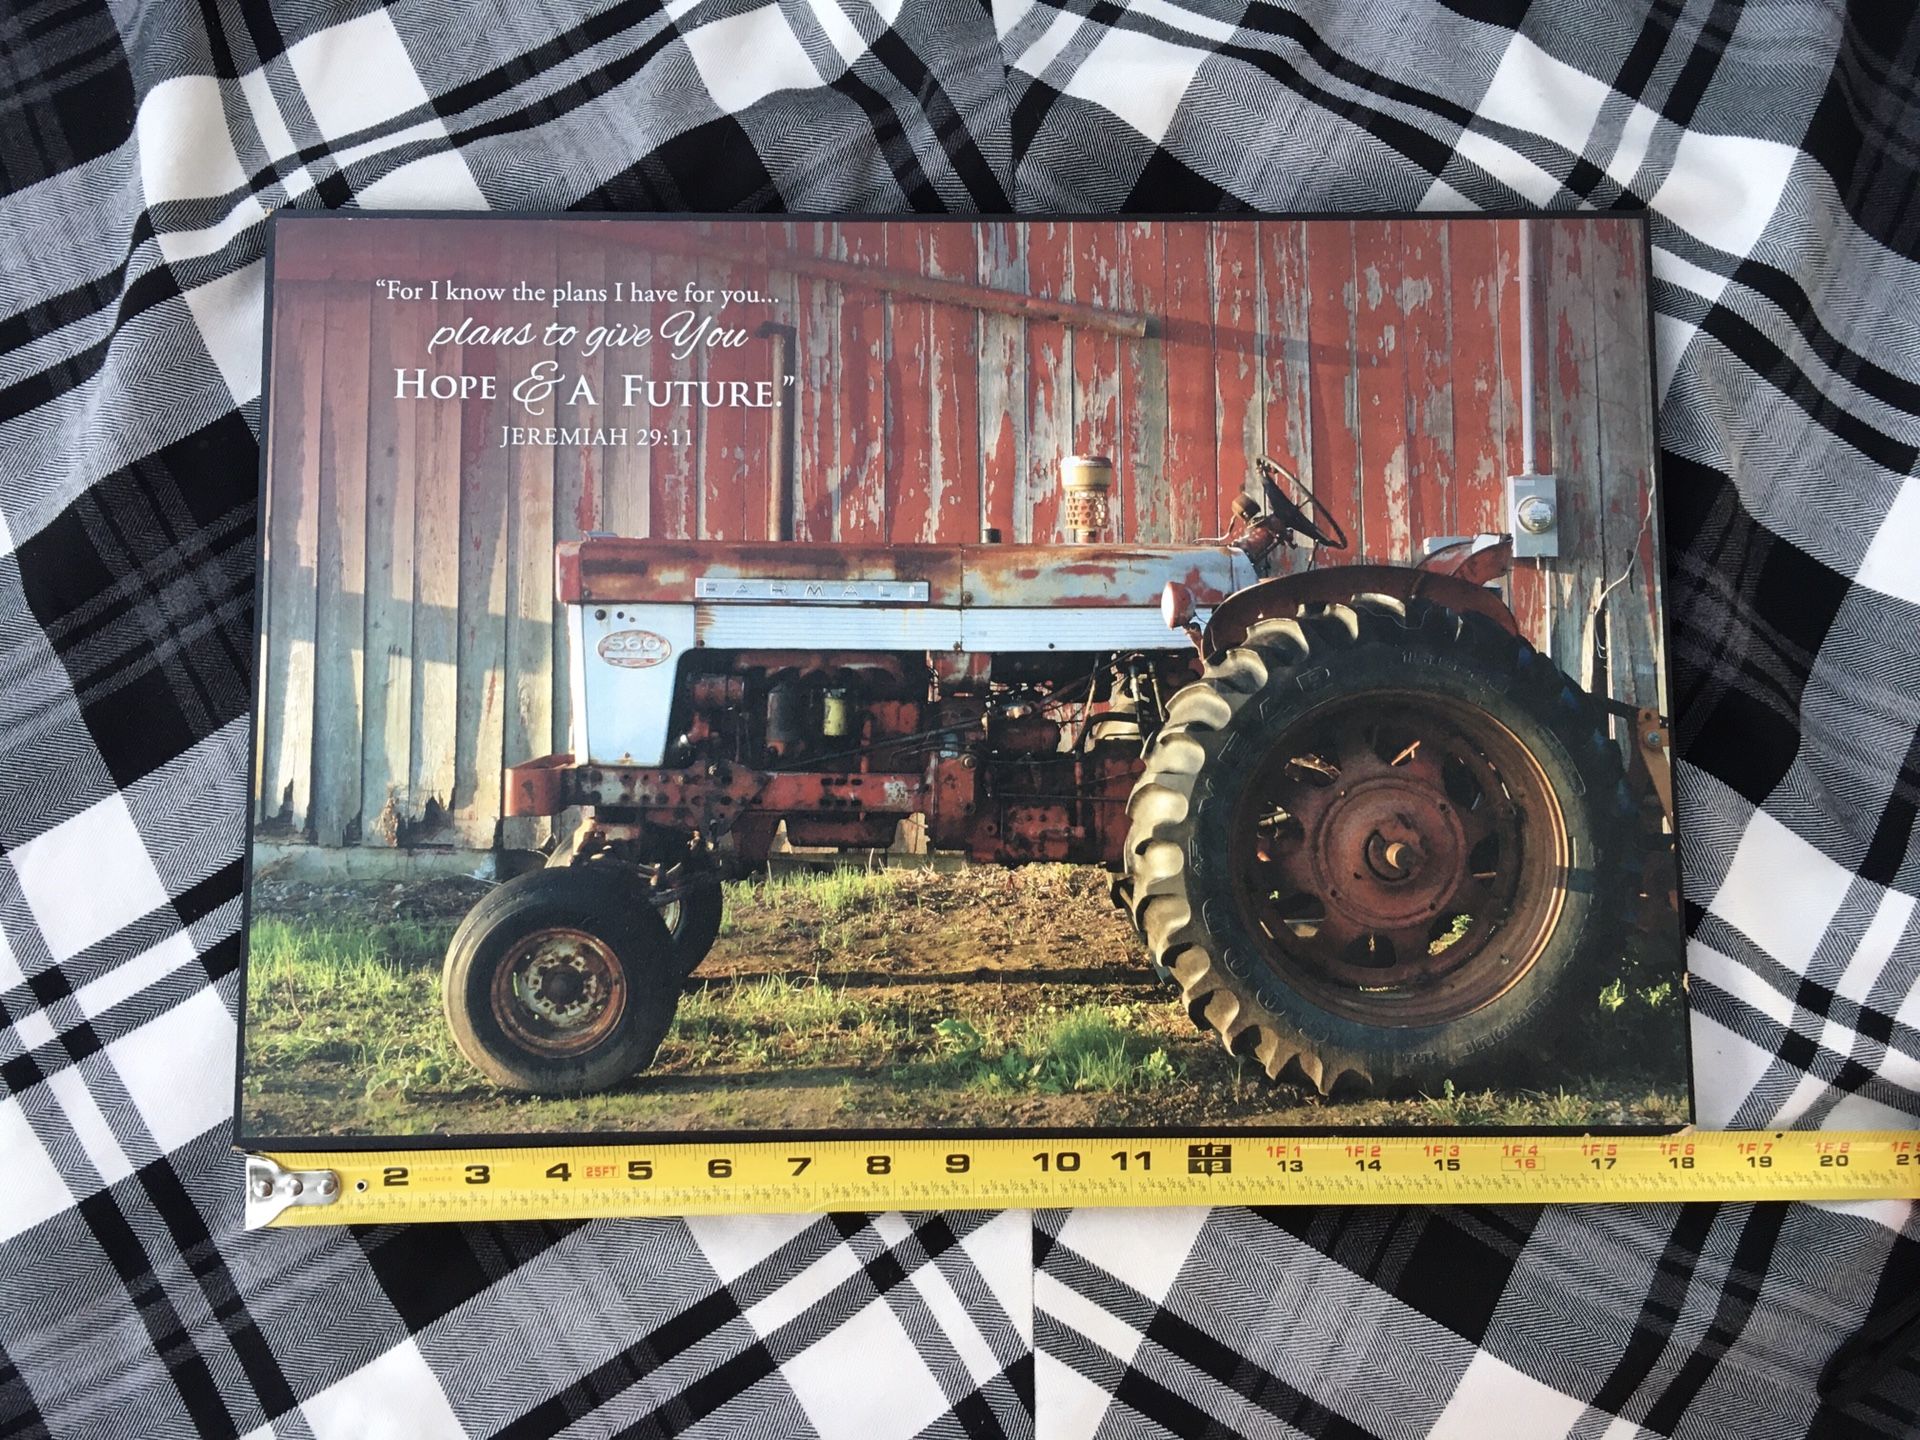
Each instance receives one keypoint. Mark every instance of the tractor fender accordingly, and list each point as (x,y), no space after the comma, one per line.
(1282,597)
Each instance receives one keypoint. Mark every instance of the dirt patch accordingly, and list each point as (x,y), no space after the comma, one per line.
(849,1000)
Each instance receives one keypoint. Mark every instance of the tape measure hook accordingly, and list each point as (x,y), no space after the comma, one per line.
(271,1188)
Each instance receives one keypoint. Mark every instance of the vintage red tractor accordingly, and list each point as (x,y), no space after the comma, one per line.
(1375,837)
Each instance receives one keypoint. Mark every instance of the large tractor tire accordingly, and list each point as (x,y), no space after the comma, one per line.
(562,981)
(1382,846)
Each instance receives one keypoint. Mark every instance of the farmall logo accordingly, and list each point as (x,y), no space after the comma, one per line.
(634,649)
(817,592)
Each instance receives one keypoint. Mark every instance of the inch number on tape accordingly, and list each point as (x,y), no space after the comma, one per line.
(715,1177)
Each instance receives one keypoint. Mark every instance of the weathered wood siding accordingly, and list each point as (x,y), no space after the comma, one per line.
(411,643)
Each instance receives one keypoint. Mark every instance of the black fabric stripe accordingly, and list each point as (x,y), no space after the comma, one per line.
(213,27)
(1154,1401)
(1738,1296)
(1648,46)
(203,897)
(1035,104)
(568,98)
(56,312)
(563,47)
(173,1343)
(1288,24)
(1893,836)
(1426,151)
(1757,350)
(891,136)
(1653,1330)
(726,1381)
(1253,1383)
(139,296)
(262,32)
(703,1318)
(20,1418)
(1702,63)
(1797,306)
(949,126)
(188,1228)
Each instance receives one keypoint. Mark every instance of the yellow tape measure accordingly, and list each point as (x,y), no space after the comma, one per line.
(803,1176)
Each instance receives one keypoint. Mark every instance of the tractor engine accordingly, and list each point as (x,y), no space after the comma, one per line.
(1001,692)
(1012,757)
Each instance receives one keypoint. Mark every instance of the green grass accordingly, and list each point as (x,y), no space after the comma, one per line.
(1090,1049)
(781,1021)
(776,1021)
(366,997)
(811,895)
(1587,1104)
(345,1028)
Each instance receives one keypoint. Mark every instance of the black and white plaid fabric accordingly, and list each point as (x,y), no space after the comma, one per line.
(141,146)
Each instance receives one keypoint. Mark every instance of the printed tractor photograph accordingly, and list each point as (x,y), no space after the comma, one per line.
(971,674)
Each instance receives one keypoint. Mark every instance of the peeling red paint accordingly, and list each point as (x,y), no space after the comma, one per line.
(1377,359)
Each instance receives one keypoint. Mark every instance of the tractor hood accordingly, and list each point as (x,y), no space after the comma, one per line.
(983,576)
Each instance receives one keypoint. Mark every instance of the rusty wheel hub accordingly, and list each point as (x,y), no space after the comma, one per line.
(1403,856)
(559,991)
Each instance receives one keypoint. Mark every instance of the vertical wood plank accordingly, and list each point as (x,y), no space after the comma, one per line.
(576,468)
(436,587)
(1286,361)
(783,286)
(1002,264)
(587,269)
(1193,460)
(628,497)
(1479,433)
(1095,273)
(673,468)
(733,454)
(1239,418)
(1432,508)
(1144,482)
(1386,531)
(1626,438)
(339,661)
(1528,587)
(1574,578)
(1336,394)
(861,379)
(286,774)
(479,730)
(527,725)
(398,336)
(1639,345)
(818,319)
(953,383)
(1049,382)
(909,397)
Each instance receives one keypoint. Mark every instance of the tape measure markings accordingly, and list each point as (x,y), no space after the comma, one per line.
(880,1174)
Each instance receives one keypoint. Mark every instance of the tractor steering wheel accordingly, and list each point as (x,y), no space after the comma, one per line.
(1283,509)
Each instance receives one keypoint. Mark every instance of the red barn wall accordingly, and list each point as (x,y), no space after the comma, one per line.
(411,641)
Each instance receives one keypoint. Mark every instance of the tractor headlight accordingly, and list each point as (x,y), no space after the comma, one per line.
(1176,605)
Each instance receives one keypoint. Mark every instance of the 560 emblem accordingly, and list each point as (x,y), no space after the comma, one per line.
(634,649)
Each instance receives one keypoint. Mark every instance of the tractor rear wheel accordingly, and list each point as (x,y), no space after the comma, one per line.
(1381,846)
(562,981)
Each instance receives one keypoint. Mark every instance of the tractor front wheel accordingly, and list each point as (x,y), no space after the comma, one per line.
(562,981)
(1379,847)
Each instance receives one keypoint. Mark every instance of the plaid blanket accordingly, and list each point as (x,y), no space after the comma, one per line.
(1778,146)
